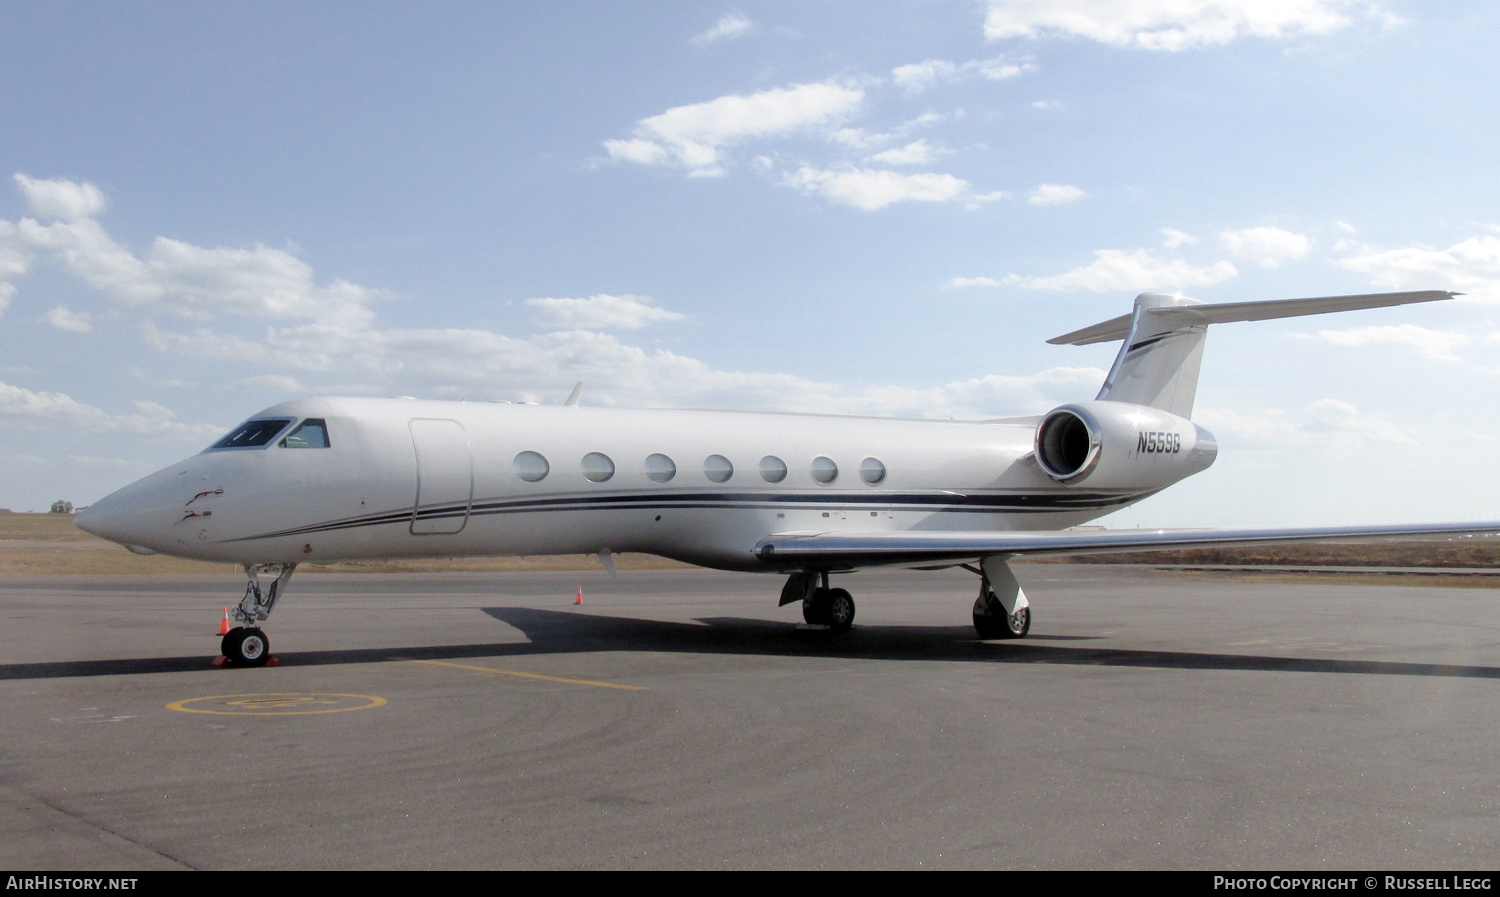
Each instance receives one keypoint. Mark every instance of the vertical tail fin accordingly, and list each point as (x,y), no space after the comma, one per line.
(1163,349)
(1159,360)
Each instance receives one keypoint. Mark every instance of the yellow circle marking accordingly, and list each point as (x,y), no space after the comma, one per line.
(277,704)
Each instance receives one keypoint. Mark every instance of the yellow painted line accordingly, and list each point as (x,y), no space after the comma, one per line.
(278,704)
(477,669)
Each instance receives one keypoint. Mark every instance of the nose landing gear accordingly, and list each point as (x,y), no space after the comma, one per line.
(247,645)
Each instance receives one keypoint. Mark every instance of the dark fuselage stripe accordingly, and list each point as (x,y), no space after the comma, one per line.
(891,502)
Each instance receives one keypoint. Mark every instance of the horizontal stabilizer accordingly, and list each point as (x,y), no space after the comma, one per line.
(792,551)
(1225,312)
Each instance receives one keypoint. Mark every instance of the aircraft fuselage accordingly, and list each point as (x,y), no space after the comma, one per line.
(410,478)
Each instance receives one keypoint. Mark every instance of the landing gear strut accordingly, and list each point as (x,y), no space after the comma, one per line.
(1001,610)
(821,605)
(246,645)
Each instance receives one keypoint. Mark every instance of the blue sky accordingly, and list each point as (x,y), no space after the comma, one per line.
(843,207)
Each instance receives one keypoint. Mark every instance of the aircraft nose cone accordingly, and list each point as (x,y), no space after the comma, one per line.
(112,519)
(136,516)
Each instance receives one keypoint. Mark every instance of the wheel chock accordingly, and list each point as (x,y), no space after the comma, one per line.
(222,662)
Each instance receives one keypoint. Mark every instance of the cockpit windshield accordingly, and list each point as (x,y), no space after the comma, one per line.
(311,433)
(253,433)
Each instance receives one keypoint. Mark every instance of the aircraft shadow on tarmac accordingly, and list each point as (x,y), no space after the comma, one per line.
(569,632)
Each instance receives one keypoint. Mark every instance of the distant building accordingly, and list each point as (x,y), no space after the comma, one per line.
(62,507)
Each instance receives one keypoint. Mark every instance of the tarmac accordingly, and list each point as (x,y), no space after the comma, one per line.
(679,719)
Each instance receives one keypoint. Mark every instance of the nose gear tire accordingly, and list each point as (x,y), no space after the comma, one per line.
(246,647)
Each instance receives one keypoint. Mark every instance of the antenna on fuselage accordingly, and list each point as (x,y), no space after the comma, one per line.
(572,401)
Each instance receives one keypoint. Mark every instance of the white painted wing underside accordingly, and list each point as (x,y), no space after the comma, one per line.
(814,550)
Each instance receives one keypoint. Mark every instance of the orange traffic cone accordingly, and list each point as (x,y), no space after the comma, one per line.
(224,623)
(579,599)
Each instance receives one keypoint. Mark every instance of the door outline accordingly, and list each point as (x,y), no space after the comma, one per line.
(416,505)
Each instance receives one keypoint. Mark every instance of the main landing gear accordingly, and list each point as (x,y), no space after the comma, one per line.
(821,606)
(247,645)
(1000,611)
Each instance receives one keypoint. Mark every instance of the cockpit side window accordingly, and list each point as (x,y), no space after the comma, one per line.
(253,433)
(313,433)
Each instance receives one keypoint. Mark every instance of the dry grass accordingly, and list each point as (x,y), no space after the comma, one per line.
(49,545)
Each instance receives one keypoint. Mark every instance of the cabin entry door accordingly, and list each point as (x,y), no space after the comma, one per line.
(445,476)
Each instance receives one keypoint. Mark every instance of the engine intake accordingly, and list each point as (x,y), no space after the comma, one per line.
(1068,443)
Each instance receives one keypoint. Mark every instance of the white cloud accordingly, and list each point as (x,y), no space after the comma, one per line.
(870,189)
(473,363)
(1116,269)
(54,408)
(859,138)
(1439,345)
(7,292)
(151,409)
(961,282)
(1173,24)
(1327,426)
(976,200)
(916,77)
(1176,238)
(15,257)
(279,383)
(599,312)
(180,278)
(918,152)
(1265,246)
(730,25)
(60,318)
(1472,266)
(61,199)
(1055,194)
(639,151)
(1000,69)
(693,136)
(297,347)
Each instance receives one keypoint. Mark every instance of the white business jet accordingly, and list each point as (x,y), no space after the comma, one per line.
(806,496)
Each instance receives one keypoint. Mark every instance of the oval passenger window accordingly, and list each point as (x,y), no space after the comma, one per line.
(824,470)
(772,469)
(597,467)
(717,468)
(660,468)
(872,471)
(531,467)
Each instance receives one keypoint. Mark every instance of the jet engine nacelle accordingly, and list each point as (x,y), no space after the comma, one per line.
(1117,445)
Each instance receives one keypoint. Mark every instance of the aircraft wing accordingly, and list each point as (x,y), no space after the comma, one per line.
(805,550)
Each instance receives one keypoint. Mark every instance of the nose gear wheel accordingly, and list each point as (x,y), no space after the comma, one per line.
(246,647)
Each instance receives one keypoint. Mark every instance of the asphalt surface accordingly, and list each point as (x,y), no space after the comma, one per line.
(680,719)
